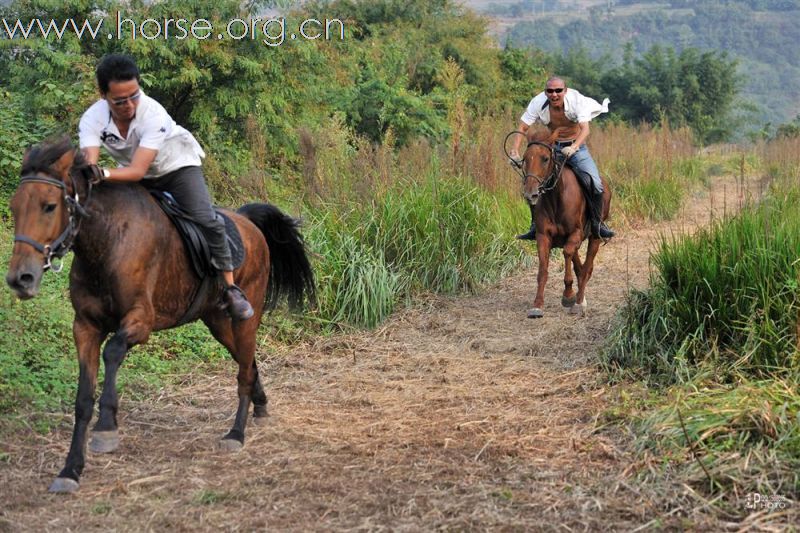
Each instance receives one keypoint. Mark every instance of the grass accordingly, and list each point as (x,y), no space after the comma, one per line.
(717,336)
(650,170)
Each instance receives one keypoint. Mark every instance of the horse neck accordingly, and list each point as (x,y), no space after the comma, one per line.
(110,208)
(552,200)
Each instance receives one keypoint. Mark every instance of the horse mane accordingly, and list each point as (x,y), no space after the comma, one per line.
(41,157)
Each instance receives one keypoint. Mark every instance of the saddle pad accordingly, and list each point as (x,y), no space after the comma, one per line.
(193,238)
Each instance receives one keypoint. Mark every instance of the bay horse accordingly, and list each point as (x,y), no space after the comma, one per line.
(561,216)
(129,278)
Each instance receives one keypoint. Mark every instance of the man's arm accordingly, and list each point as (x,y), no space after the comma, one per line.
(582,134)
(92,154)
(142,158)
(523,129)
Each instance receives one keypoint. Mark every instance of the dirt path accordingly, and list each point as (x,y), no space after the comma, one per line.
(458,414)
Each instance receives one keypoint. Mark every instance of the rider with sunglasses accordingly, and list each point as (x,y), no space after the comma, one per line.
(152,149)
(567,109)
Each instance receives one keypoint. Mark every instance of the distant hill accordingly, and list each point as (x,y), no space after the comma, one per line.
(763,35)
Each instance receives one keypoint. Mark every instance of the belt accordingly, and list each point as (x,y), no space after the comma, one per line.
(564,143)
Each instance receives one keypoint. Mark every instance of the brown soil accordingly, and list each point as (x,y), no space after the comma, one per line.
(458,413)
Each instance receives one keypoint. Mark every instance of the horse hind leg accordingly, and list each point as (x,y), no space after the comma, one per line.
(259,399)
(240,340)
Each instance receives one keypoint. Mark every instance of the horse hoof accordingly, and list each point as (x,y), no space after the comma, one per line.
(260,411)
(230,445)
(260,420)
(63,485)
(578,309)
(104,441)
(535,313)
(568,302)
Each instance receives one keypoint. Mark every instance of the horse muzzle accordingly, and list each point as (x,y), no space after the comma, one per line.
(24,281)
(531,197)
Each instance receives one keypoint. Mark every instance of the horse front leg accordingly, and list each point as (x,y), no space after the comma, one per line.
(135,329)
(543,248)
(586,273)
(570,250)
(88,338)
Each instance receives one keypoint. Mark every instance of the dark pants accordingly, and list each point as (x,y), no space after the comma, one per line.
(188,186)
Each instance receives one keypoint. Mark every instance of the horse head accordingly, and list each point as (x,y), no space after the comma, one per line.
(538,163)
(45,208)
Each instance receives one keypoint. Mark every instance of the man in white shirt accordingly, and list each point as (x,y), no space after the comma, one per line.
(150,147)
(559,107)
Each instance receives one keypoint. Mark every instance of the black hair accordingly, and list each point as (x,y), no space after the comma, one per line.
(116,67)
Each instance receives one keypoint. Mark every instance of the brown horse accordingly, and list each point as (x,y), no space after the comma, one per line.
(129,278)
(561,216)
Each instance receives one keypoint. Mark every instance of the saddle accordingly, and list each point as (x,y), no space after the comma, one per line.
(198,250)
(195,241)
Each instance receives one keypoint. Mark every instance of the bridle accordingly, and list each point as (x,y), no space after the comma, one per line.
(546,183)
(64,242)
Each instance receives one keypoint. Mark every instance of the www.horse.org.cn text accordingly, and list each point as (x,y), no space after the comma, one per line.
(271,31)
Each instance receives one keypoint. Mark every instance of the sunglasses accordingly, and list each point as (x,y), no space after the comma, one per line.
(551,91)
(122,101)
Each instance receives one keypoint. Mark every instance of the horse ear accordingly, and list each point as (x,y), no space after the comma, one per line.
(27,156)
(64,163)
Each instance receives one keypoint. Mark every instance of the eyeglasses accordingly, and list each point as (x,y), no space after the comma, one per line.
(551,91)
(122,101)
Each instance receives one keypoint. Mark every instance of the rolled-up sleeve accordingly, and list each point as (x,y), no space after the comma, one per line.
(532,113)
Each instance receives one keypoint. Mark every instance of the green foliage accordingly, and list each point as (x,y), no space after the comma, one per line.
(746,435)
(790,129)
(688,89)
(373,106)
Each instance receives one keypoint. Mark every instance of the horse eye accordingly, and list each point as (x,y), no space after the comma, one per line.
(545,159)
(49,208)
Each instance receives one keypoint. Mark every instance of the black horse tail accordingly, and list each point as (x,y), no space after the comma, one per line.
(290,273)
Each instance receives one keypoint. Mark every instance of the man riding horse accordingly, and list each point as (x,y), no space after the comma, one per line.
(150,147)
(569,112)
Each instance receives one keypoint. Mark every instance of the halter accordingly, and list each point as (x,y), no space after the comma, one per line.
(63,243)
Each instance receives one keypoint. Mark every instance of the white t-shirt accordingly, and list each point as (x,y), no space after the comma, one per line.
(577,108)
(152,127)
